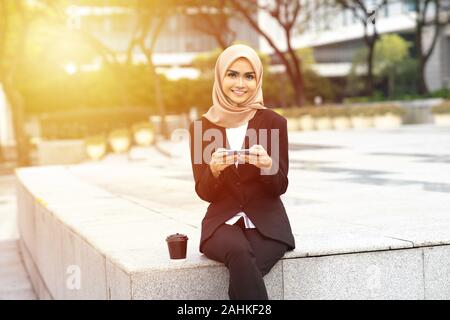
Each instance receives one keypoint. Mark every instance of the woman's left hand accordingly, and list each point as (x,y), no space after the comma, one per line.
(258,157)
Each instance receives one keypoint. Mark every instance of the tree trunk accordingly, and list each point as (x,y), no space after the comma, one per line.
(424,55)
(299,87)
(14,97)
(148,52)
(369,87)
(391,83)
(295,78)
(18,116)
(421,85)
(159,97)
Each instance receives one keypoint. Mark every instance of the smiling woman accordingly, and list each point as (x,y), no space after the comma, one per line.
(240,81)
(245,226)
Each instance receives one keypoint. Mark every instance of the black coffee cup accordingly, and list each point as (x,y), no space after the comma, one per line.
(177,244)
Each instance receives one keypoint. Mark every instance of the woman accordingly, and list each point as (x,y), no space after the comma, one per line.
(245,226)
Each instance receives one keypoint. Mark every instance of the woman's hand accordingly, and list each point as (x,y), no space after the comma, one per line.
(258,157)
(220,160)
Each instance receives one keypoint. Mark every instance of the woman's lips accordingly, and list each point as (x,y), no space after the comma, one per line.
(238,93)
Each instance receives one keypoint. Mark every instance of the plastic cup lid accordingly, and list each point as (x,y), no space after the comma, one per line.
(177,237)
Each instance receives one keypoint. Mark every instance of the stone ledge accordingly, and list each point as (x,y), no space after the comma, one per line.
(118,246)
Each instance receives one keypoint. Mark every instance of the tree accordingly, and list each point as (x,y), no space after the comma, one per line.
(212,19)
(286,13)
(152,16)
(367,16)
(422,9)
(16,18)
(15,21)
(391,53)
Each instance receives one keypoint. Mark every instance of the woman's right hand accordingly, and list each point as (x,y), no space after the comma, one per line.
(220,160)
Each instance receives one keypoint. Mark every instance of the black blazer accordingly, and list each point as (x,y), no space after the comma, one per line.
(243,188)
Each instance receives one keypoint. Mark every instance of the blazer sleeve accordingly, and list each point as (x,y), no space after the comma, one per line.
(275,180)
(207,186)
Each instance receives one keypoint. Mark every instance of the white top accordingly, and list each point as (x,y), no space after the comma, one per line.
(236,138)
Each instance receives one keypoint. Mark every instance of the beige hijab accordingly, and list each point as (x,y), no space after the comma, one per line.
(223,112)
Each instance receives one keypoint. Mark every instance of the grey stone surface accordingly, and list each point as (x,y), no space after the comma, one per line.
(395,274)
(118,282)
(274,282)
(183,284)
(437,272)
(77,255)
(38,283)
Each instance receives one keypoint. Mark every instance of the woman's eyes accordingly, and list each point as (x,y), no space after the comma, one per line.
(249,76)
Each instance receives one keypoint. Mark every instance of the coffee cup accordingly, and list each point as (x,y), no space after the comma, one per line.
(177,244)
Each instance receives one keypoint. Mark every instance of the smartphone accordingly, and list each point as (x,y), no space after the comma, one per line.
(238,152)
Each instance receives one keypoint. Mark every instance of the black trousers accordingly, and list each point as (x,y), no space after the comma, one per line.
(248,255)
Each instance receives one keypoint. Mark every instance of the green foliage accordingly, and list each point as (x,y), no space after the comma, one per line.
(306,56)
(443,93)
(316,85)
(205,63)
(390,49)
(392,63)
(76,124)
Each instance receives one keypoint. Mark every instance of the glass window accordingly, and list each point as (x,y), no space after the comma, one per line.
(408,6)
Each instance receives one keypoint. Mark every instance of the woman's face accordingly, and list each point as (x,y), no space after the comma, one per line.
(239,83)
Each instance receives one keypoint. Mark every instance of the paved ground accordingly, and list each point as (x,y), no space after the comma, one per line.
(14,281)
(349,191)
(354,190)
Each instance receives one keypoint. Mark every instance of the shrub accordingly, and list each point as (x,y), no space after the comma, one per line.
(339,111)
(322,111)
(384,109)
(78,124)
(362,111)
(443,108)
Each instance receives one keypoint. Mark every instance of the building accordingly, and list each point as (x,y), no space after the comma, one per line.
(335,35)
(178,44)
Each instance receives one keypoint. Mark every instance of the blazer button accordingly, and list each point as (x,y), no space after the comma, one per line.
(216,186)
(238,184)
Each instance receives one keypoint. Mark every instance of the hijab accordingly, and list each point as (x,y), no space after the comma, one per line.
(223,113)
